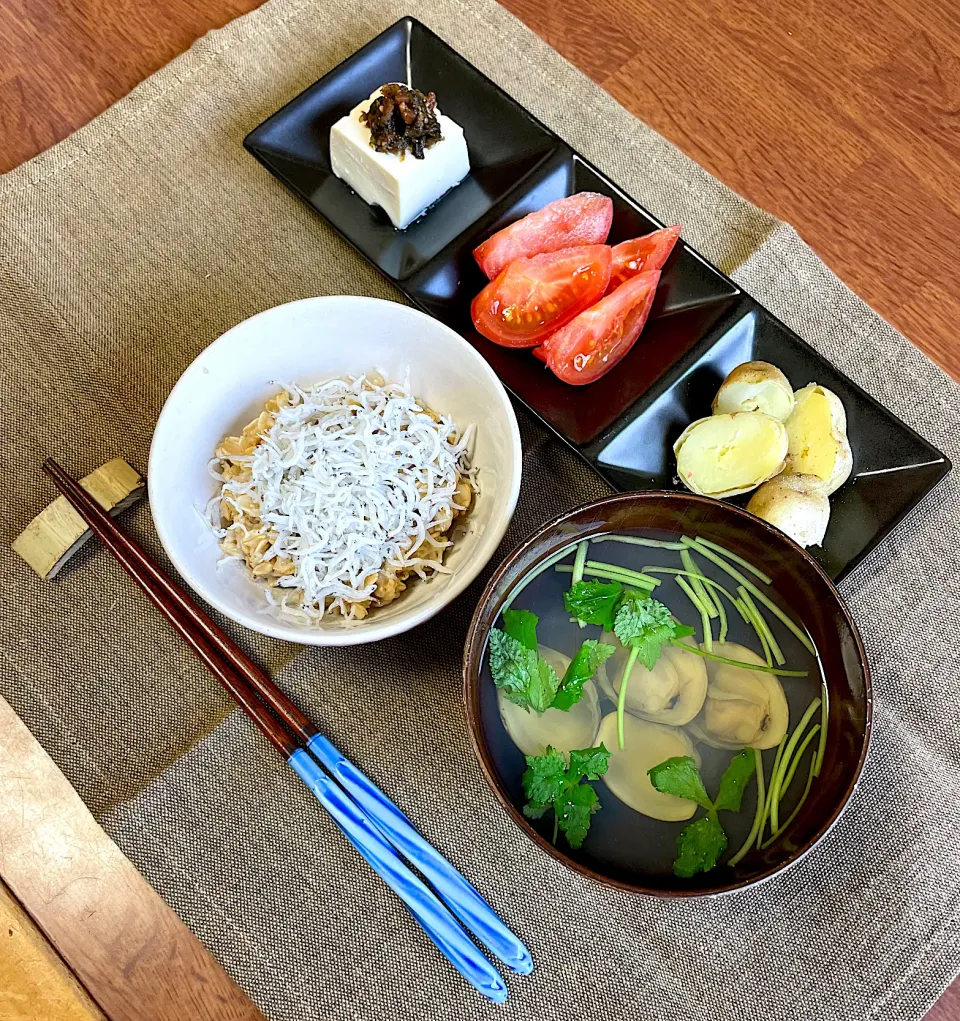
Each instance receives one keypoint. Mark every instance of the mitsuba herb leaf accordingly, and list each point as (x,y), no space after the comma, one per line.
(594,602)
(532,811)
(549,782)
(545,777)
(645,624)
(734,781)
(526,678)
(522,625)
(589,762)
(576,809)
(681,777)
(582,667)
(523,676)
(700,844)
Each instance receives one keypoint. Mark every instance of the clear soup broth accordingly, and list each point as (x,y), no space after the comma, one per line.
(621,841)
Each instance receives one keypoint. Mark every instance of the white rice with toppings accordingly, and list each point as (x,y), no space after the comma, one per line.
(338,494)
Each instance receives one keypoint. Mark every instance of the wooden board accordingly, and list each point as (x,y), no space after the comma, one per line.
(134,957)
(35,984)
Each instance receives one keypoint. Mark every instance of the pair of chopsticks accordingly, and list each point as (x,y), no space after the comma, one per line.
(368,819)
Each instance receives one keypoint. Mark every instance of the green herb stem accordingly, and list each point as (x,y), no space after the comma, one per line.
(622,699)
(691,595)
(739,662)
(803,797)
(634,577)
(722,613)
(764,626)
(707,628)
(764,644)
(579,560)
(773,773)
(687,541)
(776,781)
(694,598)
(705,598)
(751,608)
(615,575)
(695,574)
(703,578)
(785,786)
(556,824)
(824,713)
(757,816)
(756,593)
(546,565)
(639,540)
(696,582)
(707,631)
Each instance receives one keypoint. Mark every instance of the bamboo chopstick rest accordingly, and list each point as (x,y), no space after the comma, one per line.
(58,531)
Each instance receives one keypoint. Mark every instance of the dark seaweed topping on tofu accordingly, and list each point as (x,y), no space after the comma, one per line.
(402,119)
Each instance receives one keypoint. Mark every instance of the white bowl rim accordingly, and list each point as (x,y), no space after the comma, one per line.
(372,630)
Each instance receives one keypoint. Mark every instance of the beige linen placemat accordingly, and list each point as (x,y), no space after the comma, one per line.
(128,248)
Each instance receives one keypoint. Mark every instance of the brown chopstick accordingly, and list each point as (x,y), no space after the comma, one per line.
(369,820)
(253,690)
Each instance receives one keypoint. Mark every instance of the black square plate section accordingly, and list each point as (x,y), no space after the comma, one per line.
(504,144)
(893,467)
(701,325)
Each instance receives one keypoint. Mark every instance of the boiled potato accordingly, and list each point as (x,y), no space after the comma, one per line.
(729,454)
(796,504)
(755,386)
(817,437)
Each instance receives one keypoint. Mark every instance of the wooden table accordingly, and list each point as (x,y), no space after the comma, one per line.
(851,135)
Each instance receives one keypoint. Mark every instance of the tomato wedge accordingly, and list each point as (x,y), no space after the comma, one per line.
(533,297)
(581,219)
(597,339)
(641,255)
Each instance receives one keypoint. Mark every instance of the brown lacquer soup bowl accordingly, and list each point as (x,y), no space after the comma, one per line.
(806,726)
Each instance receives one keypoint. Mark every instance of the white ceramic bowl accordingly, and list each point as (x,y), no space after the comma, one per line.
(306,342)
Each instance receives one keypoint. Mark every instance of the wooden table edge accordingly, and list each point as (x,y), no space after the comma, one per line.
(125,946)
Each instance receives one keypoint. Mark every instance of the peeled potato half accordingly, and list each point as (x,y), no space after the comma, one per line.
(817,438)
(796,504)
(755,386)
(725,455)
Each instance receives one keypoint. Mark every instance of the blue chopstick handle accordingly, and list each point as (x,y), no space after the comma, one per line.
(462,899)
(436,921)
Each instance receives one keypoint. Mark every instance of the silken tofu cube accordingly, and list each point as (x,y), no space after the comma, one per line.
(405,187)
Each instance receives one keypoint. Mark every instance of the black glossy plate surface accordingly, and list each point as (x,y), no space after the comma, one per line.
(701,326)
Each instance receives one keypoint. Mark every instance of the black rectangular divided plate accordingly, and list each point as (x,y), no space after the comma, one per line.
(701,325)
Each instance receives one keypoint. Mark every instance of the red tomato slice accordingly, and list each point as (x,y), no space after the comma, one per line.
(581,219)
(533,297)
(597,339)
(539,353)
(642,255)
